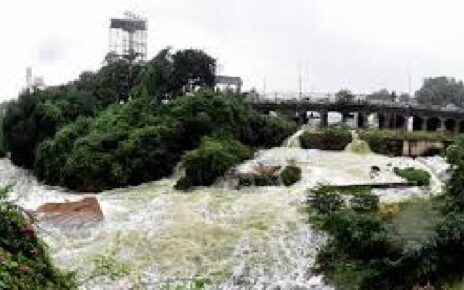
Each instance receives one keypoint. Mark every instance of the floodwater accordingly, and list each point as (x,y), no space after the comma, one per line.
(155,237)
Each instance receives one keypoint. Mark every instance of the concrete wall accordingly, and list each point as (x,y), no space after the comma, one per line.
(420,148)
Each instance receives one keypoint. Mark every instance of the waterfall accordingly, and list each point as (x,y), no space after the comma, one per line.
(294,140)
(357,146)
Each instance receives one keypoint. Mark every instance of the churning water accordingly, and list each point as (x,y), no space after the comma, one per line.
(253,238)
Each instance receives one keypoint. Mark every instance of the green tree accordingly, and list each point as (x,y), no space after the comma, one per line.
(441,91)
(170,75)
(193,68)
(380,95)
(211,160)
(404,98)
(345,96)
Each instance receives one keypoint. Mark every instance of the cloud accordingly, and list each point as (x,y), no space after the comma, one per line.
(51,50)
(360,44)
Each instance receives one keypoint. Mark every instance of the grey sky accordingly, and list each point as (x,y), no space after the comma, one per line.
(358,44)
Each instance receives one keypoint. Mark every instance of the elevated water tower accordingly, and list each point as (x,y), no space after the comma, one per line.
(128,37)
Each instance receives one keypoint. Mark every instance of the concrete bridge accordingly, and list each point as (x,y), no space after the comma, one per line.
(388,115)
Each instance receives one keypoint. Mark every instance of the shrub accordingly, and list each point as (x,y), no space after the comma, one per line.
(267,131)
(325,199)
(411,174)
(184,183)
(380,143)
(211,160)
(369,251)
(24,261)
(358,235)
(326,139)
(290,175)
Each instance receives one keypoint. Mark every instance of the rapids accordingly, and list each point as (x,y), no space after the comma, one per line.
(252,238)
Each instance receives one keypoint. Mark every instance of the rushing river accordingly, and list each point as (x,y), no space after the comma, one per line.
(253,238)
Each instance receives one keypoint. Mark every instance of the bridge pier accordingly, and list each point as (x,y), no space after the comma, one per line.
(324,119)
(461,126)
(380,121)
(303,118)
(361,120)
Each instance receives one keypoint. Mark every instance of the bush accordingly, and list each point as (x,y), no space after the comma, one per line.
(290,175)
(325,199)
(411,174)
(326,139)
(24,262)
(368,251)
(211,160)
(79,135)
(380,143)
(267,131)
(134,143)
(363,236)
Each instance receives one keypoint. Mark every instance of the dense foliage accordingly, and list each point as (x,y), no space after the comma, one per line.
(411,174)
(360,251)
(39,114)
(384,95)
(124,124)
(24,262)
(169,75)
(331,138)
(369,249)
(134,142)
(441,91)
(344,96)
(211,160)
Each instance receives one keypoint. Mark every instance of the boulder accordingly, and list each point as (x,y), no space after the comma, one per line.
(75,213)
(267,170)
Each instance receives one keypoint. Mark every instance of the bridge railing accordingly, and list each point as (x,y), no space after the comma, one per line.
(296,102)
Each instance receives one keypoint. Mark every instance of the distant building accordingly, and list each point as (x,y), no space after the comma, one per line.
(225,83)
(33,83)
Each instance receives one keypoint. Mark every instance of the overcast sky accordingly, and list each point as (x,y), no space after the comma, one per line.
(358,44)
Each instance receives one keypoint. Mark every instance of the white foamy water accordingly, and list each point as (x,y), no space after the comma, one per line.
(254,238)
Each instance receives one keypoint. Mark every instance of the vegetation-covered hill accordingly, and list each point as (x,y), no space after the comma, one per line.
(82,136)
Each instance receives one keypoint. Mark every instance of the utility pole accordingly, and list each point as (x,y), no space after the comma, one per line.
(264,87)
(300,84)
(409,80)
